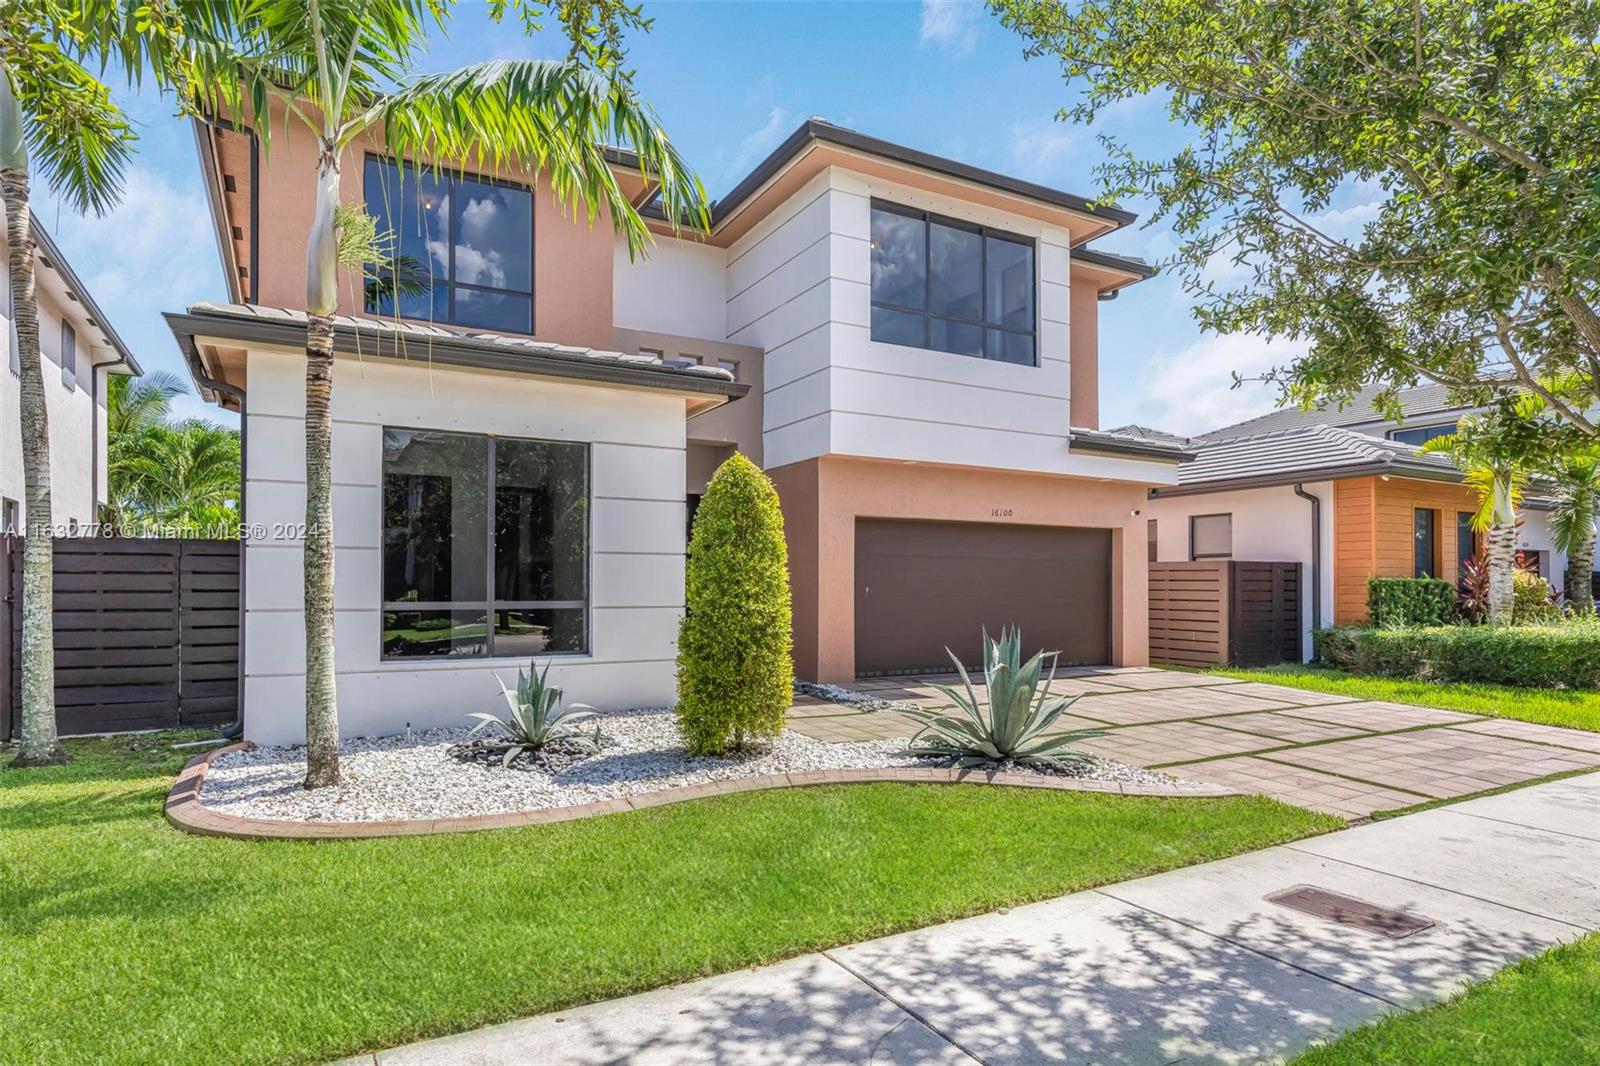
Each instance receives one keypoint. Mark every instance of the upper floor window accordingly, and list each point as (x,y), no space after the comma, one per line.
(69,356)
(1421,434)
(463,248)
(951,286)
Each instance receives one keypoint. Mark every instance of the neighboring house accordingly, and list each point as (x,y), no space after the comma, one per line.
(78,349)
(909,345)
(1346,493)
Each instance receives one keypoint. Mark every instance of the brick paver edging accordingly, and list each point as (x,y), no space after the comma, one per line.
(184,809)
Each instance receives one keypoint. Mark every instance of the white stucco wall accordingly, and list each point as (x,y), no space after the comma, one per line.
(76,415)
(677,288)
(1270,525)
(636,541)
(799,285)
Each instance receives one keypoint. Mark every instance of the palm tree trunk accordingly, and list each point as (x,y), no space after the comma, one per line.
(1501,552)
(38,746)
(322,714)
(1580,576)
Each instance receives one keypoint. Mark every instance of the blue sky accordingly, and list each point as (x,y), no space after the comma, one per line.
(731,80)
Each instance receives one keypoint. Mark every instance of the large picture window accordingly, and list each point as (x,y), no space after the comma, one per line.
(463,248)
(485,545)
(951,286)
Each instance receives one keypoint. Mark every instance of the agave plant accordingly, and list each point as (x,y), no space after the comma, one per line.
(538,718)
(1012,726)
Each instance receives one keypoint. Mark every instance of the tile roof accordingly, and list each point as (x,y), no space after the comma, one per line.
(1133,429)
(1422,400)
(1130,445)
(1311,453)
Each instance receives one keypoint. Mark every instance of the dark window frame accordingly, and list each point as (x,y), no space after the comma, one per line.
(492,604)
(69,356)
(928,219)
(454,176)
(1399,432)
(1195,556)
(1433,523)
(1464,525)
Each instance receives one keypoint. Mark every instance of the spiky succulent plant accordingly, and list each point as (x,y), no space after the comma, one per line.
(538,718)
(1012,725)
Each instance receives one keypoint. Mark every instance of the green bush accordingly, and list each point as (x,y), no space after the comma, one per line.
(735,676)
(1533,601)
(1410,601)
(1563,654)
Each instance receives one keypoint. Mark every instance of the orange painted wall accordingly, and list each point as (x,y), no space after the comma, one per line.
(572,277)
(1373,534)
(822,498)
(1084,337)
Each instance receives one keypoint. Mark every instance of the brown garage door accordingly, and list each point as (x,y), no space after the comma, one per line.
(924,586)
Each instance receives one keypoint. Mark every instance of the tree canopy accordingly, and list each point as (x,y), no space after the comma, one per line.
(1473,122)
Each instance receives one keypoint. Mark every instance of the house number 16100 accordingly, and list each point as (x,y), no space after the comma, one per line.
(1001,512)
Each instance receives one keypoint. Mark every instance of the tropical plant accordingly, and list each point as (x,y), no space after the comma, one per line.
(183,476)
(343,69)
(1011,726)
(538,718)
(1572,521)
(1463,130)
(1533,600)
(735,674)
(1496,451)
(1472,591)
(55,113)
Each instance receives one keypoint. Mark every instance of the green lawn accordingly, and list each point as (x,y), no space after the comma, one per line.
(1577,709)
(124,940)
(1543,1010)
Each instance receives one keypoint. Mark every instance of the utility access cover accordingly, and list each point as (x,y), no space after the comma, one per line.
(1320,903)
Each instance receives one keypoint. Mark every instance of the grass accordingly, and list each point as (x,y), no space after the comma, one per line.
(125,940)
(1574,709)
(1543,1010)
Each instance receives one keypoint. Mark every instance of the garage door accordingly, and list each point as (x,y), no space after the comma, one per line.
(925,586)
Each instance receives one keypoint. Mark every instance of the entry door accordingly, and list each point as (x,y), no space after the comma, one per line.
(922,587)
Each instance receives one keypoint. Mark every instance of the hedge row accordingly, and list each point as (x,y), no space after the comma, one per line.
(1410,601)
(1554,656)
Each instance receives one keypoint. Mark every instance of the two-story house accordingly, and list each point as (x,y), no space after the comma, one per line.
(1345,492)
(905,343)
(78,349)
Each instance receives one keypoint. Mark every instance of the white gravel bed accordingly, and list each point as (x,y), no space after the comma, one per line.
(417,777)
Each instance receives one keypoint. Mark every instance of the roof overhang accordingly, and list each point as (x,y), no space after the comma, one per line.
(1109,272)
(47,250)
(1093,441)
(199,328)
(1378,468)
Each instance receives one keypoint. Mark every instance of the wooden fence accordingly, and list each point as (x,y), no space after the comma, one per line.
(1218,611)
(146,634)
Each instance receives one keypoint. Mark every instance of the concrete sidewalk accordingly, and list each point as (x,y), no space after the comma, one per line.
(1191,966)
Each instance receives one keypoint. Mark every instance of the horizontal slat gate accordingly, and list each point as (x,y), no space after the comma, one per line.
(1189,613)
(146,634)
(1264,627)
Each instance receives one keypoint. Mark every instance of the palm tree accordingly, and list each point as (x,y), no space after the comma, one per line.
(186,476)
(1572,521)
(341,68)
(1495,452)
(54,111)
(135,409)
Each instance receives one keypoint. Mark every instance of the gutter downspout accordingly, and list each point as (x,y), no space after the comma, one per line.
(1316,553)
(235,729)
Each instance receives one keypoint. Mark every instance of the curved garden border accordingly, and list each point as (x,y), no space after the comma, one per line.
(184,809)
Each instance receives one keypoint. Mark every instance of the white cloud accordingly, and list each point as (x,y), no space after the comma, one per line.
(1038,144)
(1190,390)
(759,142)
(951,25)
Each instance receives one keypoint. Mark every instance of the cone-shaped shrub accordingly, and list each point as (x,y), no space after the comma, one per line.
(735,677)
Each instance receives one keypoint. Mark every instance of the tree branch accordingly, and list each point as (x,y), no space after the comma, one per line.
(1484,140)
(1503,330)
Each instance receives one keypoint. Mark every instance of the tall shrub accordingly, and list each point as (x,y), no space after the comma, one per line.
(735,676)
(1409,601)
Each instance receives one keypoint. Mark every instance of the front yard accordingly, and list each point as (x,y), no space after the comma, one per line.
(1575,709)
(127,941)
(1542,1010)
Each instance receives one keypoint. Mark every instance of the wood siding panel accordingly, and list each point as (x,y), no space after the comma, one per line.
(1374,530)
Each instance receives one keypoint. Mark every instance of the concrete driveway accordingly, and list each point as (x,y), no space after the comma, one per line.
(1329,753)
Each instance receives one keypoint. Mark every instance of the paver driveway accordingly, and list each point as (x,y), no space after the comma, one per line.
(1312,749)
